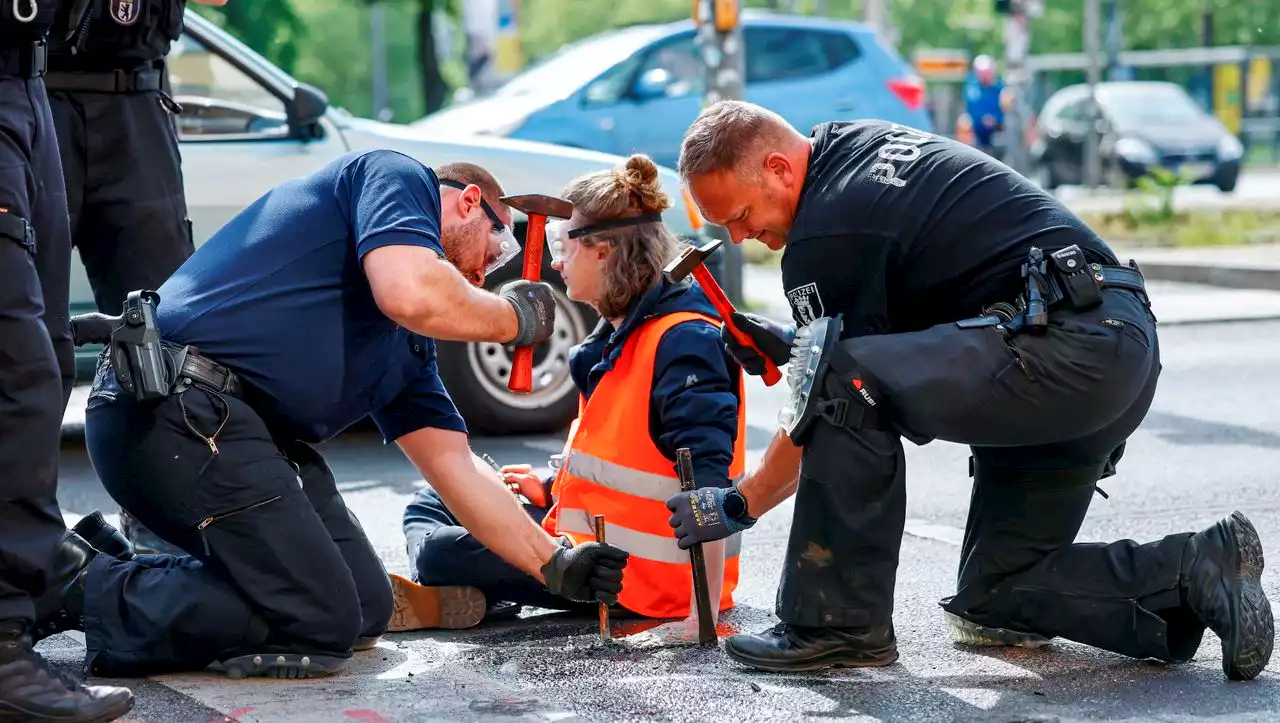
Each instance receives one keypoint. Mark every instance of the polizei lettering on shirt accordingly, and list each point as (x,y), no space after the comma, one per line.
(901,147)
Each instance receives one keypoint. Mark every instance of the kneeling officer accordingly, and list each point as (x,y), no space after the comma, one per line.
(315,307)
(946,297)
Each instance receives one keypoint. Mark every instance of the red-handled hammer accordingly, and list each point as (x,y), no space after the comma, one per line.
(691,260)
(537,207)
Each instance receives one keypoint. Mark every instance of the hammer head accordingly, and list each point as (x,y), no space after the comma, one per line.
(682,265)
(540,204)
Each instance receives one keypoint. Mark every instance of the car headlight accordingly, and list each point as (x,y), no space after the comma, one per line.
(1136,150)
(1229,148)
(809,352)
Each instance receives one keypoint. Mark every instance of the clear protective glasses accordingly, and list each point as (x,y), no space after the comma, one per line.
(502,242)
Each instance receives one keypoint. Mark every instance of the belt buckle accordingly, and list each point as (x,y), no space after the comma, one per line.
(35,61)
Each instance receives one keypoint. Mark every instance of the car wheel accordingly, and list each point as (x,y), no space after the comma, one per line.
(1228,184)
(476,373)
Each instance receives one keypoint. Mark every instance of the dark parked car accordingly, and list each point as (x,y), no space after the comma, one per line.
(1142,125)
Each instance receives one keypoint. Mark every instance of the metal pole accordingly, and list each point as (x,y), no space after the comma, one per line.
(380,107)
(1016,78)
(724,59)
(1092,48)
(1115,38)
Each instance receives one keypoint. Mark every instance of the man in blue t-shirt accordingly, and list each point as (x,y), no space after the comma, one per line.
(315,307)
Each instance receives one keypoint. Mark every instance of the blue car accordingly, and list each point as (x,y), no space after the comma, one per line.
(636,89)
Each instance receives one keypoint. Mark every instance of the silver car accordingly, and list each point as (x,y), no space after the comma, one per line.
(246,126)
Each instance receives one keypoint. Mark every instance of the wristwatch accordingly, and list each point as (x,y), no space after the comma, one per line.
(735,506)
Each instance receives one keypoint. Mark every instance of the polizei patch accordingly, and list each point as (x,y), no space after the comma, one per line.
(806,303)
(126,12)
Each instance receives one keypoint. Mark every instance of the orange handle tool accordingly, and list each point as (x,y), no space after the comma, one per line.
(521,380)
(725,308)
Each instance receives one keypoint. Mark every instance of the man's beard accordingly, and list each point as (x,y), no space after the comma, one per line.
(456,241)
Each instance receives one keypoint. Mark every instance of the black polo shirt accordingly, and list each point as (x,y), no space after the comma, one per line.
(901,230)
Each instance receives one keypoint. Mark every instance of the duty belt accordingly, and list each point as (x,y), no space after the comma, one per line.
(24,60)
(202,370)
(114,81)
(1128,278)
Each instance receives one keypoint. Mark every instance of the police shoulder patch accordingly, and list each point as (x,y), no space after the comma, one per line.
(126,12)
(806,303)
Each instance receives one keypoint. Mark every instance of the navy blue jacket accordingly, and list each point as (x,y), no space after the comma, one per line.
(694,402)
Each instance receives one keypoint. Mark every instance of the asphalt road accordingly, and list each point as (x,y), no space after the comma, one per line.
(1211,445)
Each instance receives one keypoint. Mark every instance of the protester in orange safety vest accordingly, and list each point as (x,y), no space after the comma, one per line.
(654,377)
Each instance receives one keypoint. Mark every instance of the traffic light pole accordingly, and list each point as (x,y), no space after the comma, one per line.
(719,42)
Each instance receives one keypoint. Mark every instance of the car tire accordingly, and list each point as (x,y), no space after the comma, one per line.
(476,373)
(1043,176)
(1228,184)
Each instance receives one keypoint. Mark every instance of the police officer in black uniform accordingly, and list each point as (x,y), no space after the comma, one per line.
(34,249)
(108,90)
(943,296)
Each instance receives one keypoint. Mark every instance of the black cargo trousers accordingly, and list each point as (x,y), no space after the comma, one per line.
(276,561)
(36,355)
(1046,416)
(123,171)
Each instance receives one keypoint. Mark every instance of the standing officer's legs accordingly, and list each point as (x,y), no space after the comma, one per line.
(128,211)
(32,400)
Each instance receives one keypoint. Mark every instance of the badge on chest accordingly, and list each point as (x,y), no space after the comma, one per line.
(126,12)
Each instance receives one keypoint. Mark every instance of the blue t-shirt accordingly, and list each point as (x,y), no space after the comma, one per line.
(279,295)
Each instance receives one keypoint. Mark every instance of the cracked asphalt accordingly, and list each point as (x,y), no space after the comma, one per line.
(1210,445)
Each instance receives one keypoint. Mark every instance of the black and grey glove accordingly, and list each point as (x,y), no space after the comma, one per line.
(535,306)
(707,514)
(773,338)
(586,572)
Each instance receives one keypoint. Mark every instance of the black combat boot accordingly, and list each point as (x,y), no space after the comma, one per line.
(791,648)
(61,607)
(103,537)
(1221,584)
(31,691)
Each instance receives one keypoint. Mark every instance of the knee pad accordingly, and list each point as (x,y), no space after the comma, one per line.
(827,385)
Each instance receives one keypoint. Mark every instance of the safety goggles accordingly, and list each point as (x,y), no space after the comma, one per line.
(559,234)
(502,242)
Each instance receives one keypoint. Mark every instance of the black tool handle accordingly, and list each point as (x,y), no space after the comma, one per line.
(701,589)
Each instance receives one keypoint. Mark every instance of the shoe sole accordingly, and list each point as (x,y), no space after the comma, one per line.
(1248,651)
(419,607)
(11,714)
(289,666)
(966,632)
(832,660)
(368,643)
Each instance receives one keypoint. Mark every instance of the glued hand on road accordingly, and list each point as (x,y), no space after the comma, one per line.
(521,480)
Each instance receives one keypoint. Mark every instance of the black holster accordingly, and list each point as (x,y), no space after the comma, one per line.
(142,364)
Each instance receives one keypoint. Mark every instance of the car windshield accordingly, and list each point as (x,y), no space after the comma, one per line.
(1150,105)
(574,65)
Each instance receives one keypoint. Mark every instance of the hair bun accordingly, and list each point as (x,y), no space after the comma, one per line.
(640,177)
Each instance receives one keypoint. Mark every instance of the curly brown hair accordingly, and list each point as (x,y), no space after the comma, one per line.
(639,252)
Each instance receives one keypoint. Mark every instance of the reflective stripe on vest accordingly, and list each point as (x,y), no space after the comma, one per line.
(612,468)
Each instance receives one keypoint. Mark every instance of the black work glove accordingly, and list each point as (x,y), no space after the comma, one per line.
(699,516)
(535,307)
(589,572)
(773,339)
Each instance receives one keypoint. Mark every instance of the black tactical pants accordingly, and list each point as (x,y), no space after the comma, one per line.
(277,562)
(35,340)
(1046,417)
(124,186)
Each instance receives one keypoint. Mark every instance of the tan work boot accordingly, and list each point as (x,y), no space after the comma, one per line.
(418,607)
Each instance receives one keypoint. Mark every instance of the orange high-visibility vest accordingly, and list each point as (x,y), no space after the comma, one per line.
(611,467)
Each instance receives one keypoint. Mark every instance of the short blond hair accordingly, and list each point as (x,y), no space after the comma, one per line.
(727,135)
(639,252)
